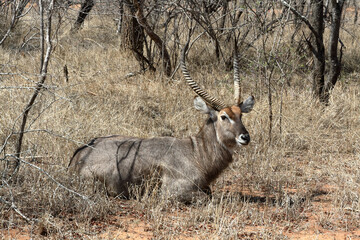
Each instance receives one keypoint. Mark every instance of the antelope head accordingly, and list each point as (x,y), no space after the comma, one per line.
(230,131)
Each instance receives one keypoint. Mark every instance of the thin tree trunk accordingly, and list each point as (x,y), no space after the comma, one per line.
(132,34)
(13,167)
(223,15)
(321,89)
(158,41)
(121,14)
(335,64)
(318,49)
(84,12)
(356,9)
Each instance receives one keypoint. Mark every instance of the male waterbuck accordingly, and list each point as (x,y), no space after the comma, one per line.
(186,166)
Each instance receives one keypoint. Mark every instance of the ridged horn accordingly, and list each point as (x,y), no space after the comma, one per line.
(213,102)
(237,88)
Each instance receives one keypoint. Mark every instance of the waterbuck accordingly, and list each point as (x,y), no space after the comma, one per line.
(186,166)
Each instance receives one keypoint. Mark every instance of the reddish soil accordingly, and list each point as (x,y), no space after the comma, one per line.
(133,225)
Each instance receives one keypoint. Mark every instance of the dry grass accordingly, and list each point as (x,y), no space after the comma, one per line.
(306,181)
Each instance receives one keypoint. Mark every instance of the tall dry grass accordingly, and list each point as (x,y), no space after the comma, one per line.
(271,189)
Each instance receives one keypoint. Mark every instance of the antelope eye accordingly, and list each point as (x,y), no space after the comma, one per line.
(223,117)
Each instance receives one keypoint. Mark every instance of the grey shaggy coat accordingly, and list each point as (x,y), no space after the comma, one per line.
(186,167)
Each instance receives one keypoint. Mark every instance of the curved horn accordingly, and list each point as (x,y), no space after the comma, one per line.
(213,102)
(237,88)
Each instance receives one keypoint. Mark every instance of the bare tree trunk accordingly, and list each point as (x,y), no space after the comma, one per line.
(132,34)
(83,13)
(322,88)
(13,167)
(225,6)
(356,9)
(335,62)
(121,14)
(318,49)
(158,41)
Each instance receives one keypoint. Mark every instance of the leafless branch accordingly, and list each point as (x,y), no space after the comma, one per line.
(56,135)
(45,37)
(51,178)
(13,206)
(303,18)
(16,15)
(158,41)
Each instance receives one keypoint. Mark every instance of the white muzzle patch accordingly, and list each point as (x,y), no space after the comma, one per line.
(243,139)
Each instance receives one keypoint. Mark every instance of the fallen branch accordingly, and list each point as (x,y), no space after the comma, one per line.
(52,178)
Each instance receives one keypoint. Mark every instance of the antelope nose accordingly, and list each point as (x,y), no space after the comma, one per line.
(245,138)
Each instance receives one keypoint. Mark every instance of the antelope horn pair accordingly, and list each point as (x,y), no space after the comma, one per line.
(212,101)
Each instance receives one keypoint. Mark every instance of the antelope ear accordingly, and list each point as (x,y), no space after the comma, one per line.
(247,105)
(201,106)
